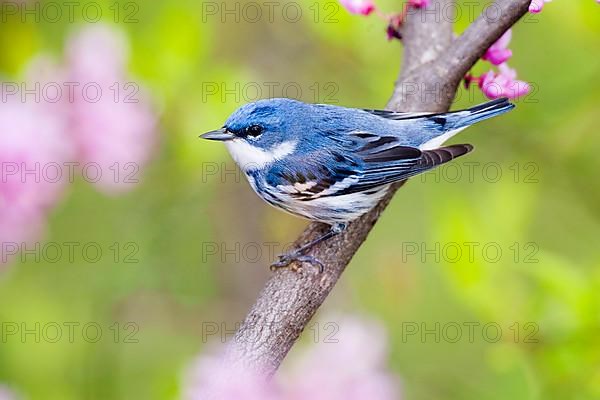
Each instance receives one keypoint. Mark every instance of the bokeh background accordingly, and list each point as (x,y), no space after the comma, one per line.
(505,241)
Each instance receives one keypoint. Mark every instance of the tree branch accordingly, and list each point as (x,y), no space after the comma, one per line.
(434,65)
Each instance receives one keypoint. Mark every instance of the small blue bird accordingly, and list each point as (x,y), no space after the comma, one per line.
(333,164)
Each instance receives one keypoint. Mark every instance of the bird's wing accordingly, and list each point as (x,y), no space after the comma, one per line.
(371,161)
(385,160)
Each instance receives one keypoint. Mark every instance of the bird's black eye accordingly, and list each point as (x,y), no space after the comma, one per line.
(254,130)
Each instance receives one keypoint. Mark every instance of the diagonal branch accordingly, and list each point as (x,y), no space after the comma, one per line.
(433,68)
(464,52)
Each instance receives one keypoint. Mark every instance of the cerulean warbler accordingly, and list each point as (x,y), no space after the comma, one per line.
(333,164)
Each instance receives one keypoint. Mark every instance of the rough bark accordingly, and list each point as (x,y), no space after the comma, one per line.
(434,65)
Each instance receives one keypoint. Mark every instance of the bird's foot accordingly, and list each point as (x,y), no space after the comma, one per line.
(296,259)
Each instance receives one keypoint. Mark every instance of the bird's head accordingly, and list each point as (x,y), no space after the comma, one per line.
(260,133)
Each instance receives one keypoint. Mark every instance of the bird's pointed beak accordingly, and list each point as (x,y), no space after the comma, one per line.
(222,135)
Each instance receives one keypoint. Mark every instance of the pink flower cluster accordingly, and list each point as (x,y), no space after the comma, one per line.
(503,83)
(32,135)
(350,366)
(41,134)
(499,53)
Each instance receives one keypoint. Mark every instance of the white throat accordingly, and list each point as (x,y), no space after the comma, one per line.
(250,158)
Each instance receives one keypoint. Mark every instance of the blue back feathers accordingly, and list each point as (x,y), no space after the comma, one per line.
(314,126)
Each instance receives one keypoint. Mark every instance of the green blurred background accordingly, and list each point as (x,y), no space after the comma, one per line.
(542,212)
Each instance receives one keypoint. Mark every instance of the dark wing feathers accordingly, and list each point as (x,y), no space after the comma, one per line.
(396,163)
(432,158)
(392,155)
(376,161)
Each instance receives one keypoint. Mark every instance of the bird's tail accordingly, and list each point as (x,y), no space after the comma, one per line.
(453,122)
(481,112)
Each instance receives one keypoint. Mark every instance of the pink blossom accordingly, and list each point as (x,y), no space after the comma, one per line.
(34,148)
(341,367)
(44,133)
(112,123)
(362,7)
(536,6)
(419,3)
(499,52)
(503,84)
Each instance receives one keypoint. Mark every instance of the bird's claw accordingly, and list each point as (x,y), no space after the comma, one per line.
(287,259)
